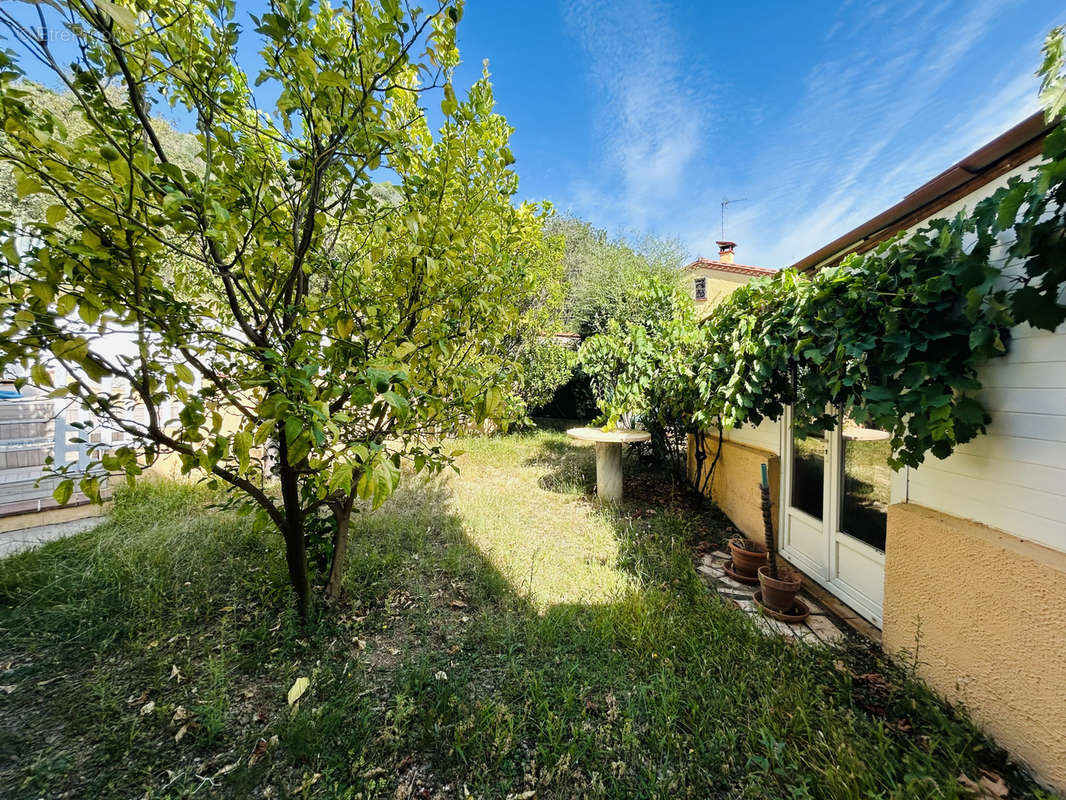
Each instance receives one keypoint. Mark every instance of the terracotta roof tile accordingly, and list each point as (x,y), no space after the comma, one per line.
(736,269)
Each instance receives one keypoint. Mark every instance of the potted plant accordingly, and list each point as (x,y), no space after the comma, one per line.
(747,557)
(778,586)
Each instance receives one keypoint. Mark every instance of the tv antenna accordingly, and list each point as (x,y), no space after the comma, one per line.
(725,202)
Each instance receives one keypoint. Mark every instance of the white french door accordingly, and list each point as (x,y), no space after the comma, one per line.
(835,490)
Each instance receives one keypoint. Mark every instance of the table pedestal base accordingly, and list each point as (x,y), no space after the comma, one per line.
(609,471)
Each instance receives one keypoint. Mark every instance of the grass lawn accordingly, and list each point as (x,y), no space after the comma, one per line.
(501,637)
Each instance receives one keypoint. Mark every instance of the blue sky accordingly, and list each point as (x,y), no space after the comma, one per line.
(641,115)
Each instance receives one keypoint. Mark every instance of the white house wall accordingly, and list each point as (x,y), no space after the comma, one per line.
(766,436)
(1013,478)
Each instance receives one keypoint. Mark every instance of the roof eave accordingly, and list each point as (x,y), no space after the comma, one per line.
(1007,151)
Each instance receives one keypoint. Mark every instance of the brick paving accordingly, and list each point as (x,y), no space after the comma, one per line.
(820,628)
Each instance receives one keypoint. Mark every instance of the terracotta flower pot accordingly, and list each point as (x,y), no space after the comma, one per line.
(780,593)
(747,560)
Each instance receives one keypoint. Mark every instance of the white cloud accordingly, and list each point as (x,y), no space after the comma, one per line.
(652,121)
(854,124)
(878,114)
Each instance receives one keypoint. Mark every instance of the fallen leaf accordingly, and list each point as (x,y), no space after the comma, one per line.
(361,644)
(226,770)
(181,733)
(180,713)
(8,688)
(994,784)
(298,689)
(990,786)
(441,675)
(175,673)
(308,783)
(258,751)
(148,708)
(458,604)
(901,725)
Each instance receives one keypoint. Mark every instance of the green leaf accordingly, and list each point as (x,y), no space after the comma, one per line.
(396,401)
(123,17)
(293,426)
(328,77)
(65,304)
(345,326)
(1040,309)
(341,479)
(1009,205)
(263,432)
(90,487)
(9,251)
(89,313)
(63,491)
(26,185)
(55,214)
(184,374)
(449,105)
(299,449)
(40,375)
(242,444)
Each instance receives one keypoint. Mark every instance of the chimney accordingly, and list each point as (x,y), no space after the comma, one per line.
(725,251)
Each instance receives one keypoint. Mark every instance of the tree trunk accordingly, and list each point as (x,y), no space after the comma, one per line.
(342,513)
(295,547)
(296,558)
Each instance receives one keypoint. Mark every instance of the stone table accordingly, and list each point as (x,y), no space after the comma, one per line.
(609,456)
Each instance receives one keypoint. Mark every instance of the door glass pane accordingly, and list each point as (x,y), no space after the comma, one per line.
(808,473)
(867,481)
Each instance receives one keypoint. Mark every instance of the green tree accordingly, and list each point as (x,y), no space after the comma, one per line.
(643,366)
(607,278)
(274,293)
(181,147)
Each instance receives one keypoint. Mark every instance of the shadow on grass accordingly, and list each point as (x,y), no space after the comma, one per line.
(437,671)
(567,469)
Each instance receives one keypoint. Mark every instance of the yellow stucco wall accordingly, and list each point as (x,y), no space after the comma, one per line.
(735,489)
(51,516)
(992,615)
(719,286)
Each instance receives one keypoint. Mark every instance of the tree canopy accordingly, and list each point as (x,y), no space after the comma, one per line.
(607,278)
(330,280)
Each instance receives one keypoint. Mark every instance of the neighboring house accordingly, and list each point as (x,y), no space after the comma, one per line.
(708,281)
(34,429)
(962,558)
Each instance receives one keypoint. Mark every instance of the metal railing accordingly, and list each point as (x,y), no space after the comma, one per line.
(32,430)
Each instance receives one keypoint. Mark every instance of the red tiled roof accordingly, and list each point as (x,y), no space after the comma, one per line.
(724,266)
